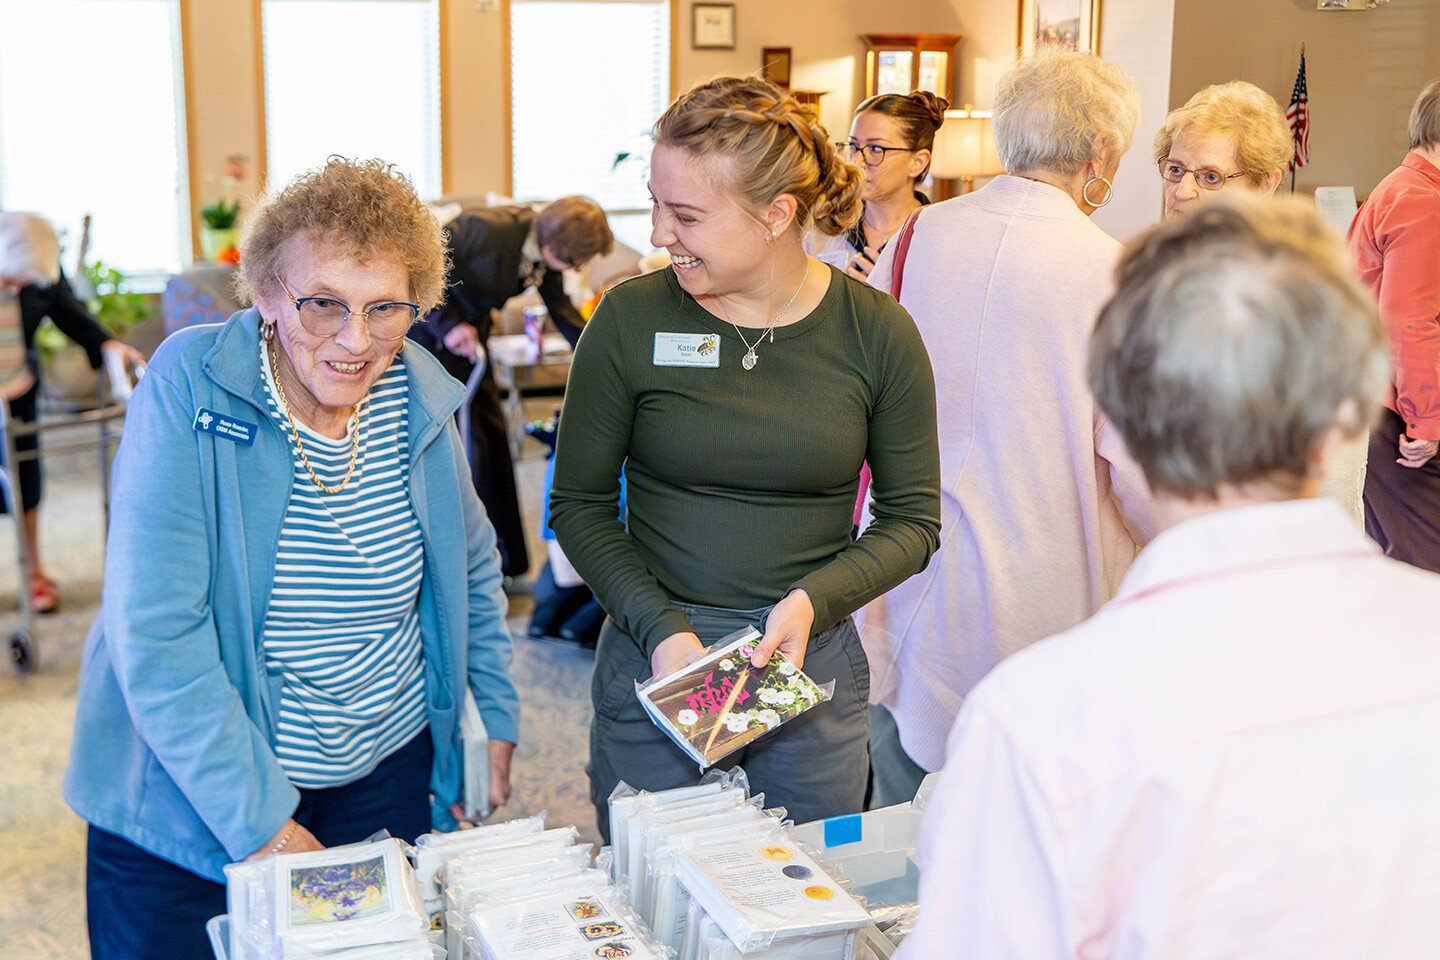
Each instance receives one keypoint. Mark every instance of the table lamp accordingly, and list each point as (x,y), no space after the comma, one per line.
(965,147)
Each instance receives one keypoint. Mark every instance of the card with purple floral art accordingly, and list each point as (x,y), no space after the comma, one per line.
(721,702)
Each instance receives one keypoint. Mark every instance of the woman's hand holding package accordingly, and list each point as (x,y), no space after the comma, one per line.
(787,629)
(675,652)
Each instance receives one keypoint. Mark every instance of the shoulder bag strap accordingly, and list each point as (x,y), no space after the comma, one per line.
(902,247)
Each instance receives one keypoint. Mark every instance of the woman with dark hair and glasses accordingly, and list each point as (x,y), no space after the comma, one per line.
(300,583)
(890,138)
(1229,135)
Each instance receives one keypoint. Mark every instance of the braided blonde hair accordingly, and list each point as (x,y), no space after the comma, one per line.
(776,144)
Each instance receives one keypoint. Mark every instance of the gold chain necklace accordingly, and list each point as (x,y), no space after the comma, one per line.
(295,432)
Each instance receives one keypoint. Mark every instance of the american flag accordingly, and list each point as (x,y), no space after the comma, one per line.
(1298,114)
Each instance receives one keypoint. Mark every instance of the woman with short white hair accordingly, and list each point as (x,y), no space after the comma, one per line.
(1041,509)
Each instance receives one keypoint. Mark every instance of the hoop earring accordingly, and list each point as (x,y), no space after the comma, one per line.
(267,330)
(1109,192)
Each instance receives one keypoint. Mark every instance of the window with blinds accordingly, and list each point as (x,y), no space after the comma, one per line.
(588,79)
(92,122)
(359,78)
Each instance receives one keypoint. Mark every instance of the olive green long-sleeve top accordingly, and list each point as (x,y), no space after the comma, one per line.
(741,484)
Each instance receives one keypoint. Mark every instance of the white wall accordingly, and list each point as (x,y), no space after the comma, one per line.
(1136,34)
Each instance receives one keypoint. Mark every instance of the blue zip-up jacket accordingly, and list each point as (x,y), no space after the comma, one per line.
(176,710)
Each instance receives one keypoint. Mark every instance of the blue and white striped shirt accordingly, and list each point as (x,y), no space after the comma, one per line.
(342,629)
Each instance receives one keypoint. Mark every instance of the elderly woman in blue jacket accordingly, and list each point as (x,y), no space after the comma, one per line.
(300,583)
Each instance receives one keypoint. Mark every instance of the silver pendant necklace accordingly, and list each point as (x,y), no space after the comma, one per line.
(751,357)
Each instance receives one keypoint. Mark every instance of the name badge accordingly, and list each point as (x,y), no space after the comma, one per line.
(219,425)
(687,350)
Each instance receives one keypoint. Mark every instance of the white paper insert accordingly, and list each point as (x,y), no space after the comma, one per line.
(758,892)
(564,927)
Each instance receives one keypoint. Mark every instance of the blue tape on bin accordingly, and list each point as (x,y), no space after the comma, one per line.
(842,830)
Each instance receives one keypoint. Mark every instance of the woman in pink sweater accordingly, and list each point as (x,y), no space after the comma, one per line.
(1042,510)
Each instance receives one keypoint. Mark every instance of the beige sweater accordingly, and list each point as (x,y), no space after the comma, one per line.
(1041,508)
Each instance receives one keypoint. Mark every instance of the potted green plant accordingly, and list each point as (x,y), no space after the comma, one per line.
(220,235)
(219,231)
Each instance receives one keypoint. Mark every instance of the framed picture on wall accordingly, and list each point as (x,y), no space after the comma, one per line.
(712,26)
(1073,24)
(775,66)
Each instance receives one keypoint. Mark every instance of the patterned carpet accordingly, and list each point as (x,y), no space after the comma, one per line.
(42,911)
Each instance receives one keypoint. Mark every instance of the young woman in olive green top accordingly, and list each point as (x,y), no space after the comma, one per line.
(741,389)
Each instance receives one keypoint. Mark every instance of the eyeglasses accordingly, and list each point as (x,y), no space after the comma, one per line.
(1205,178)
(326,316)
(874,153)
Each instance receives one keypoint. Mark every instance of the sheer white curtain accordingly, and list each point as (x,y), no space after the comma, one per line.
(92,122)
(359,78)
(588,78)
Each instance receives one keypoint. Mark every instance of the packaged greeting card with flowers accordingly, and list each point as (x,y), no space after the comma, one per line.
(721,702)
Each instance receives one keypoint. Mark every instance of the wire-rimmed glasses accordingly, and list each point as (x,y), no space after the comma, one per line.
(1205,177)
(326,316)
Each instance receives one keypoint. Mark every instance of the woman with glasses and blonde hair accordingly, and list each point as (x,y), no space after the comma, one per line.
(891,137)
(1228,136)
(300,584)
(741,388)
(1041,508)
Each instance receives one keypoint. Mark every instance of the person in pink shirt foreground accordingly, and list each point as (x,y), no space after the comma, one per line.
(1395,242)
(1236,756)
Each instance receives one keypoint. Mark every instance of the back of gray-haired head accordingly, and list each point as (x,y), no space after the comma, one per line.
(1425,118)
(1058,110)
(1235,339)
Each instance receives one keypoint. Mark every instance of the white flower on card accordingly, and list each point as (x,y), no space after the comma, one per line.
(727,664)
(786,668)
(687,718)
(737,723)
(770,718)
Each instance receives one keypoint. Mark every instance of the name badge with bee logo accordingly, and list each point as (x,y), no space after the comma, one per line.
(687,350)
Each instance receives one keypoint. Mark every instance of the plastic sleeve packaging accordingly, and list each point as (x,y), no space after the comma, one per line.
(624,798)
(648,812)
(467,901)
(758,893)
(484,870)
(721,702)
(576,925)
(318,903)
(833,946)
(669,910)
(475,752)
(658,835)
(434,850)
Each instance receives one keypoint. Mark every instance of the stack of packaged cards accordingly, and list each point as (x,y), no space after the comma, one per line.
(344,903)
(550,859)
(624,800)
(434,850)
(721,702)
(762,893)
(580,924)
